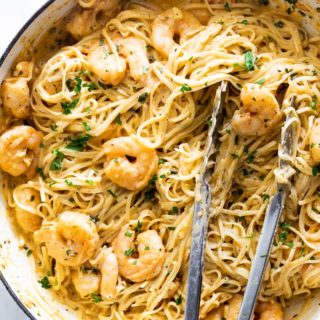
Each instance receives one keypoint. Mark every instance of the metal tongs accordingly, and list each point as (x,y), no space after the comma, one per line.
(270,223)
(201,210)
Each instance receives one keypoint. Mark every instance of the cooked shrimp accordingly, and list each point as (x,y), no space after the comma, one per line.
(18,148)
(314,140)
(107,263)
(81,24)
(216,314)
(232,308)
(73,240)
(130,164)
(109,67)
(172,22)
(269,311)
(151,254)
(84,22)
(85,281)
(259,112)
(15,91)
(15,95)
(26,202)
(24,69)
(228,311)
(135,51)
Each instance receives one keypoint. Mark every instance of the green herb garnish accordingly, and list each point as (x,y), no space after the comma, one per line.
(57,162)
(68,106)
(249,61)
(45,283)
(143,97)
(78,143)
(96,298)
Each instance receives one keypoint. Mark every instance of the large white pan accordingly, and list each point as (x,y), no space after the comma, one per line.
(17,271)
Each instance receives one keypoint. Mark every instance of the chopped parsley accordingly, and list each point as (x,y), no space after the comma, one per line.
(29,252)
(68,183)
(118,120)
(129,252)
(245,22)
(143,97)
(284,225)
(178,300)
(112,194)
(90,85)
(96,298)
(264,2)
(128,234)
(251,156)
(315,170)
(172,228)
(279,24)
(139,226)
(53,127)
(69,84)
(185,88)
(153,180)
(175,210)
(40,172)
(68,106)
(150,195)
(86,126)
(101,42)
(313,104)
(283,236)
(146,248)
(245,172)
(84,72)
(78,143)
(292,2)
(45,283)
(249,61)
(289,244)
(77,88)
(162,161)
(261,81)
(265,197)
(57,162)
(227,7)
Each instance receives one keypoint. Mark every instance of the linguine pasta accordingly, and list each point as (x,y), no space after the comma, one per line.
(168,110)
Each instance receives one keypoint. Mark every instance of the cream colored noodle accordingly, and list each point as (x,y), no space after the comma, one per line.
(168,110)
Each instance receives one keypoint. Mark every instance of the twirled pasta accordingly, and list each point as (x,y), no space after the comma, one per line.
(167,110)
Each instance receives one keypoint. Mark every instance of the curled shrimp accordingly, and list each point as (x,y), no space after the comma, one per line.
(135,51)
(314,140)
(259,112)
(111,67)
(230,311)
(85,281)
(150,250)
(102,279)
(172,22)
(72,240)
(15,91)
(107,263)
(96,13)
(26,201)
(130,164)
(269,311)
(19,147)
